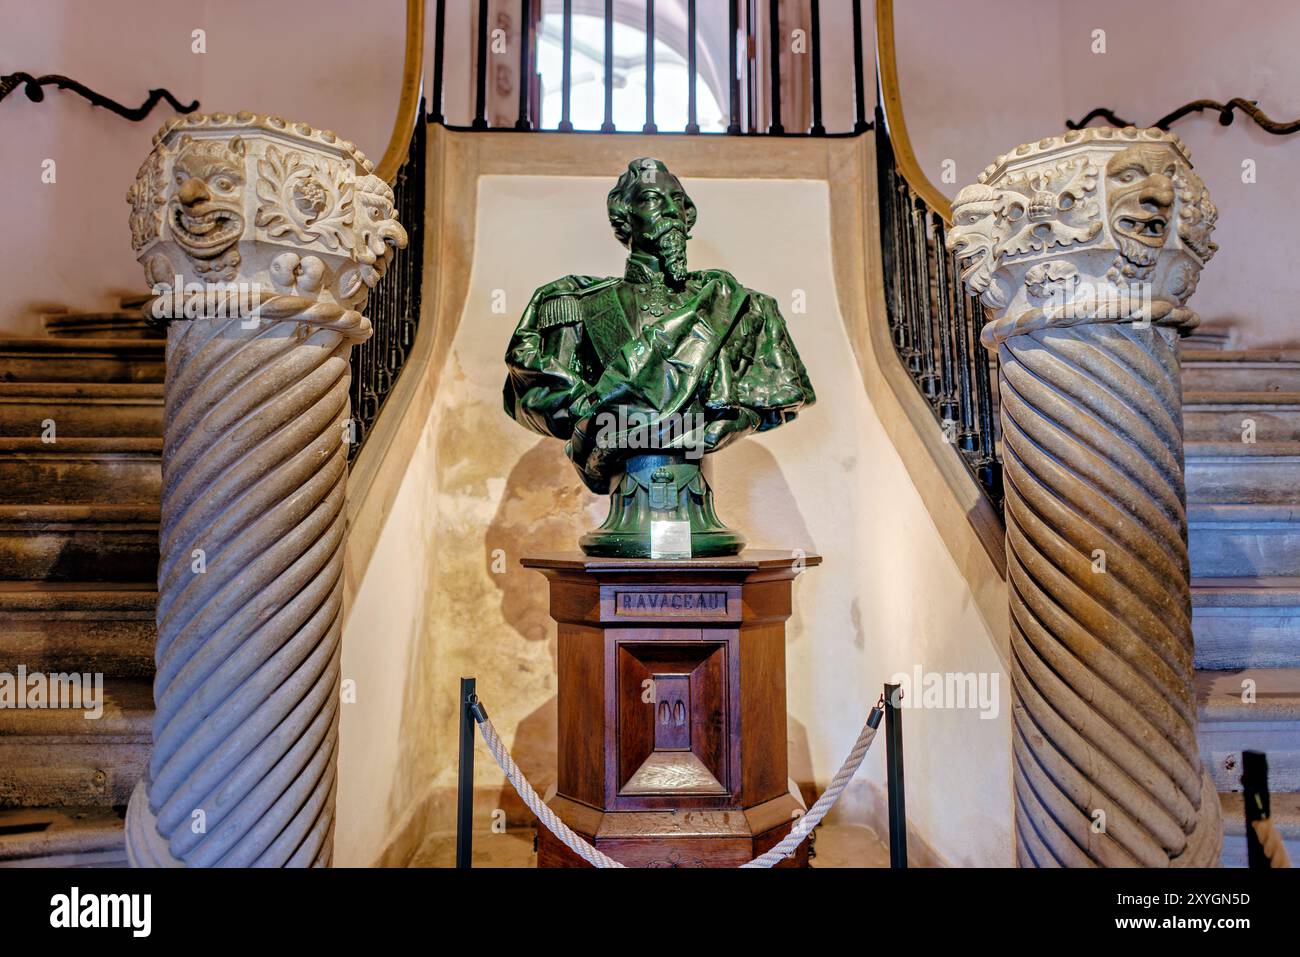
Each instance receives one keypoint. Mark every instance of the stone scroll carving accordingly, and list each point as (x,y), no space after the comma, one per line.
(1085,248)
(261,239)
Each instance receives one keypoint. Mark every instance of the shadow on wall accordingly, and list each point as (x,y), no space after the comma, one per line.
(521,526)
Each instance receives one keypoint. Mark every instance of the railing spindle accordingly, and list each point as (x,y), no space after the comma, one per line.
(692,120)
(774,66)
(948,410)
(860,125)
(480,67)
(733,69)
(929,380)
(525,81)
(818,128)
(649,126)
(608,125)
(967,346)
(439,22)
(566,75)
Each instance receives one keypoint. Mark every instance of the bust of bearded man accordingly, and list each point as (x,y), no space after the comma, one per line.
(642,375)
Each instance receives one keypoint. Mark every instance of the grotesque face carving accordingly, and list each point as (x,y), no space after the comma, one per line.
(977,215)
(206,215)
(651,214)
(379,234)
(1140,196)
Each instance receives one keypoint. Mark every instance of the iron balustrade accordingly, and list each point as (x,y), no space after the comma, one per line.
(394,304)
(934,324)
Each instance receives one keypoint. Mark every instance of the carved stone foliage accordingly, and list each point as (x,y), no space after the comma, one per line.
(1104,200)
(239,196)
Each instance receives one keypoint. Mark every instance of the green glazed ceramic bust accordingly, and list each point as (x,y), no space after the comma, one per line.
(643,374)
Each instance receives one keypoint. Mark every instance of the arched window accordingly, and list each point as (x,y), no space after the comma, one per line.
(587,100)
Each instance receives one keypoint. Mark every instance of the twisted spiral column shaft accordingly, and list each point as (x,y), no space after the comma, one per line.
(249,594)
(1106,767)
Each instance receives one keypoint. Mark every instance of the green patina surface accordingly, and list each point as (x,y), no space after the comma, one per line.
(641,375)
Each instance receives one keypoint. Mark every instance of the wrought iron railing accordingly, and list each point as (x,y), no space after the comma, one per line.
(33,88)
(934,324)
(753,94)
(394,304)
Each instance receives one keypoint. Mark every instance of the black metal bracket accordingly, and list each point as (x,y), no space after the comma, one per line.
(32,87)
(465,775)
(1254,783)
(1225,111)
(894,776)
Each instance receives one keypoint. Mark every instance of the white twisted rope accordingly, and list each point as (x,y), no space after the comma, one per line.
(801,829)
(535,802)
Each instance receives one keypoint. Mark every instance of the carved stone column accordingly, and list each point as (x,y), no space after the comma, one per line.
(262,239)
(1086,247)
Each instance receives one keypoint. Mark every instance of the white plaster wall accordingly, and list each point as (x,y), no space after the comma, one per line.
(887,598)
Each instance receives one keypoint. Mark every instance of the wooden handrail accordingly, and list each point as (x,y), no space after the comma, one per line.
(408,108)
(892,103)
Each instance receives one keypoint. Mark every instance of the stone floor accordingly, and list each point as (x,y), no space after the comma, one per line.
(838,845)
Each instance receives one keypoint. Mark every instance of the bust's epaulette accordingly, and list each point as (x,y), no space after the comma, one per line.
(559,303)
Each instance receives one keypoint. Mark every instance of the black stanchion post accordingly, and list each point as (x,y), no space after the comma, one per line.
(894,776)
(465,779)
(1254,782)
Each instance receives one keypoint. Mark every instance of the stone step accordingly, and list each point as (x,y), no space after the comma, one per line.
(114,324)
(1246,622)
(1244,541)
(47,359)
(1240,473)
(1284,812)
(78,626)
(1255,709)
(76,470)
(85,409)
(1222,416)
(63,837)
(60,757)
(79,543)
(1240,370)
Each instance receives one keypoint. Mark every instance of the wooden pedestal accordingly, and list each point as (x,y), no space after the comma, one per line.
(672,721)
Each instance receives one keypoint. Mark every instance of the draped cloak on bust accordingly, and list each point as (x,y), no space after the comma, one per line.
(700,367)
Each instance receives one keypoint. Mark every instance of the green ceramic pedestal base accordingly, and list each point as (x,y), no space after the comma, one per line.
(663,487)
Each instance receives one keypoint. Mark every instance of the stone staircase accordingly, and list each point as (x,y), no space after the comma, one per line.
(1244,530)
(78,558)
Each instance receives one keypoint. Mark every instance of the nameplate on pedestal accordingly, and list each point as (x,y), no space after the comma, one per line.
(688,603)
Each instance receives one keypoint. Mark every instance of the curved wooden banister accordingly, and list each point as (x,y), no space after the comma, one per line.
(892,103)
(408,107)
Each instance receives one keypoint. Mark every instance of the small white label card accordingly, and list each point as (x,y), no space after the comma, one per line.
(670,539)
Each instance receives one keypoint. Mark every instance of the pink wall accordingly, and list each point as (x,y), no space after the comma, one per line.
(332,63)
(977,79)
(980,78)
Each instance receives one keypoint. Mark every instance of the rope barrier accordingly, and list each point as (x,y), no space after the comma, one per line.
(1270,839)
(785,848)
